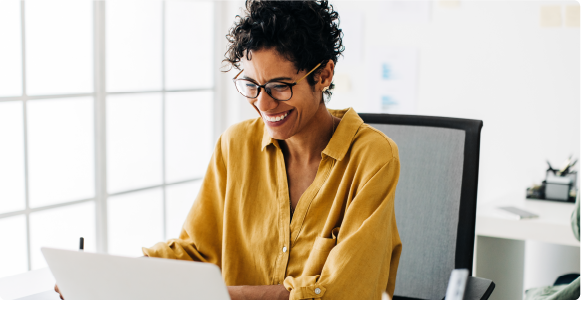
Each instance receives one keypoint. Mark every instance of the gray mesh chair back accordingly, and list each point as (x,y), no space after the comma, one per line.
(435,199)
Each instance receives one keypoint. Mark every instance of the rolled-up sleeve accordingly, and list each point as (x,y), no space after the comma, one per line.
(363,262)
(201,235)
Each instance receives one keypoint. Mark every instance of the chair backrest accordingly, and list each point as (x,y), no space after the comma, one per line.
(435,199)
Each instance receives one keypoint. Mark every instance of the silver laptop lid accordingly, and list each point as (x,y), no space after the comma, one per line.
(92,276)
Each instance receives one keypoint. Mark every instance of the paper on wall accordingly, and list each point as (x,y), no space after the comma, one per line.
(342,82)
(449,3)
(404,11)
(391,75)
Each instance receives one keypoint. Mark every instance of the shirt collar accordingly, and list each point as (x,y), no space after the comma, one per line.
(342,138)
(266,139)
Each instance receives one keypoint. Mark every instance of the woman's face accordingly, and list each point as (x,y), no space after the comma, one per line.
(267,65)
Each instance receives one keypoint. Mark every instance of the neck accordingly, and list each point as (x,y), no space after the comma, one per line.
(306,147)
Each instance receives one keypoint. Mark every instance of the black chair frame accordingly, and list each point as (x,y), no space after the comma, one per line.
(467,211)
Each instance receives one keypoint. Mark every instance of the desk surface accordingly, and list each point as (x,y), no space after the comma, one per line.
(32,285)
(552,226)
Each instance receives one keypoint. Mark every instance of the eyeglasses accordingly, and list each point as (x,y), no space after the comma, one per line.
(278,90)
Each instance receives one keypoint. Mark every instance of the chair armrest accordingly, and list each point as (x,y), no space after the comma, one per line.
(478,288)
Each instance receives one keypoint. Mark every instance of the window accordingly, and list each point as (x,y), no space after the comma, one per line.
(106,123)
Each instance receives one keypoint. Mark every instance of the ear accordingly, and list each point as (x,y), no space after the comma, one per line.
(326,76)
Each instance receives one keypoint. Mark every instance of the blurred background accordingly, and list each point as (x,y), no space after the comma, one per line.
(109,110)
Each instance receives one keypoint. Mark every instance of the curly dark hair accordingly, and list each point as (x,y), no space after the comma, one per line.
(304,32)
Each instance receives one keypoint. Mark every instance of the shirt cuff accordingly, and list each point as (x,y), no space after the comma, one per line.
(304,287)
(165,250)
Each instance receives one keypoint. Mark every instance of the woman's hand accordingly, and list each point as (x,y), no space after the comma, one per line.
(56,289)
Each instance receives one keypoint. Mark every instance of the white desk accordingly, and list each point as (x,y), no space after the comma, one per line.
(32,285)
(519,254)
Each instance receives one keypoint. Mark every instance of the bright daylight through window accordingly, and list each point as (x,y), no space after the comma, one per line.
(106,123)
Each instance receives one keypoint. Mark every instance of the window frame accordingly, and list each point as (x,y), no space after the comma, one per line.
(99,95)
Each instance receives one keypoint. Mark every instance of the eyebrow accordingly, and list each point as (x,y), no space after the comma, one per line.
(273,79)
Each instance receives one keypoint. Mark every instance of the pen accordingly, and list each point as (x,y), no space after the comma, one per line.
(573,164)
(565,169)
(551,168)
(81,244)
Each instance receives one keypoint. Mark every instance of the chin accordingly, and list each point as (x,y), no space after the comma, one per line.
(277,134)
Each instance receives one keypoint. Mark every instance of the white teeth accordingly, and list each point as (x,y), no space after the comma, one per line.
(275,119)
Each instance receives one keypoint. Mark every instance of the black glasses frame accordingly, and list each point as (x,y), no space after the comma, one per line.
(266,90)
(291,85)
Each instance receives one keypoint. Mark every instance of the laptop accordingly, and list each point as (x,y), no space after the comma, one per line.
(94,276)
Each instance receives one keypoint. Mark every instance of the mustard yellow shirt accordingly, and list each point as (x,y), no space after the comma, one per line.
(342,242)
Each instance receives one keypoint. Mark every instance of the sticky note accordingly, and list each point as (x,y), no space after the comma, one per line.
(551,16)
(572,16)
(449,3)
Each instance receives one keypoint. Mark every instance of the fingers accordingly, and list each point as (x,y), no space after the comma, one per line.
(56,289)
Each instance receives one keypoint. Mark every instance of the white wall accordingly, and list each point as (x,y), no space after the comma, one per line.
(488,60)
(491,61)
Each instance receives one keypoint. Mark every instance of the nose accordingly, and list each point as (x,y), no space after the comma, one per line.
(264,102)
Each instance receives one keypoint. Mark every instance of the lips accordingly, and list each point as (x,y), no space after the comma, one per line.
(277,119)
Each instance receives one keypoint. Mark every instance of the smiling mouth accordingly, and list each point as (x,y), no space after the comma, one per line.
(275,119)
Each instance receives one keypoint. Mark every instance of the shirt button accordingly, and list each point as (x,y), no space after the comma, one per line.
(317,291)
(284,248)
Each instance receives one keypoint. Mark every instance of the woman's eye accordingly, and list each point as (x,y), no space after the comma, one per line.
(251,86)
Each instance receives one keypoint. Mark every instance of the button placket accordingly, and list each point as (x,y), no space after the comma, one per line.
(284,226)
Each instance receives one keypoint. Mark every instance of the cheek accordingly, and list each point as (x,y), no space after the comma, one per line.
(306,101)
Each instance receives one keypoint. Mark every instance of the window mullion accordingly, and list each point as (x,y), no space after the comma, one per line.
(163,113)
(100,125)
(25,132)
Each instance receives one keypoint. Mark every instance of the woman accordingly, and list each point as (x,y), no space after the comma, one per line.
(298,203)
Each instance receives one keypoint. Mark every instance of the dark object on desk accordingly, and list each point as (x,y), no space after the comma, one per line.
(559,185)
(435,201)
(566,279)
(521,213)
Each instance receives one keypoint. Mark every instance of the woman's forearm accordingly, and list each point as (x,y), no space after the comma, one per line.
(258,292)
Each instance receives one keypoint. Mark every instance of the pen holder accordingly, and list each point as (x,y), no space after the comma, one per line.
(560,188)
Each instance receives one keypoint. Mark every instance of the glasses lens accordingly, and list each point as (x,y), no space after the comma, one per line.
(247,88)
(279,90)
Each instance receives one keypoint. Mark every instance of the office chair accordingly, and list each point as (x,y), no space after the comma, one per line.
(435,202)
